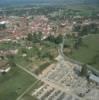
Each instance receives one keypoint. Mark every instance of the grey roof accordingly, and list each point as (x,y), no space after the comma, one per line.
(94,78)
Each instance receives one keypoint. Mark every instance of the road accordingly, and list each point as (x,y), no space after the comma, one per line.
(42,79)
(52,84)
(49,82)
(61,53)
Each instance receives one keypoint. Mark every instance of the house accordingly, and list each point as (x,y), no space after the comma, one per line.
(4,66)
(3,22)
(4,53)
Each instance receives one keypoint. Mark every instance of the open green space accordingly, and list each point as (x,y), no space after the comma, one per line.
(37,57)
(14,83)
(8,45)
(84,10)
(88,52)
(28,95)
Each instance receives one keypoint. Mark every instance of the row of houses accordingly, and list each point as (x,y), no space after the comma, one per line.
(4,64)
(8,52)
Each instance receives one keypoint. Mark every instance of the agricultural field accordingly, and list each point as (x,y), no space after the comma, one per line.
(14,83)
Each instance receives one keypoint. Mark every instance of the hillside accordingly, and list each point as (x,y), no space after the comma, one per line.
(46,2)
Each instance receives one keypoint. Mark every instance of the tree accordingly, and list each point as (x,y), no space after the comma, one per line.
(83,70)
(55,40)
(29,37)
(78,43)
(36,38)
(77,28)
(2,26)
(12,63)
(11,60)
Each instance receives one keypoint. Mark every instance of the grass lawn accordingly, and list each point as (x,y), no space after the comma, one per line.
(37,55)
(8,45)
(14,83)
(89,51)
(28,95)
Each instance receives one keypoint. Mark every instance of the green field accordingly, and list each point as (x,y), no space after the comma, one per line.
(28,96)
(38,55)
(89,51)
(8,45)
(14,83)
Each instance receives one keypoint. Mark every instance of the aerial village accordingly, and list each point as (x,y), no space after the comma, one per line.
(62,78)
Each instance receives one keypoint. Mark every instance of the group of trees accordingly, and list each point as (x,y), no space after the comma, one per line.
(41,10)
(86,29)
(11,60)
(34,37)
(37,36)
(78,43)
(2,26)
(84,70)
(54,39)
(42,67)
